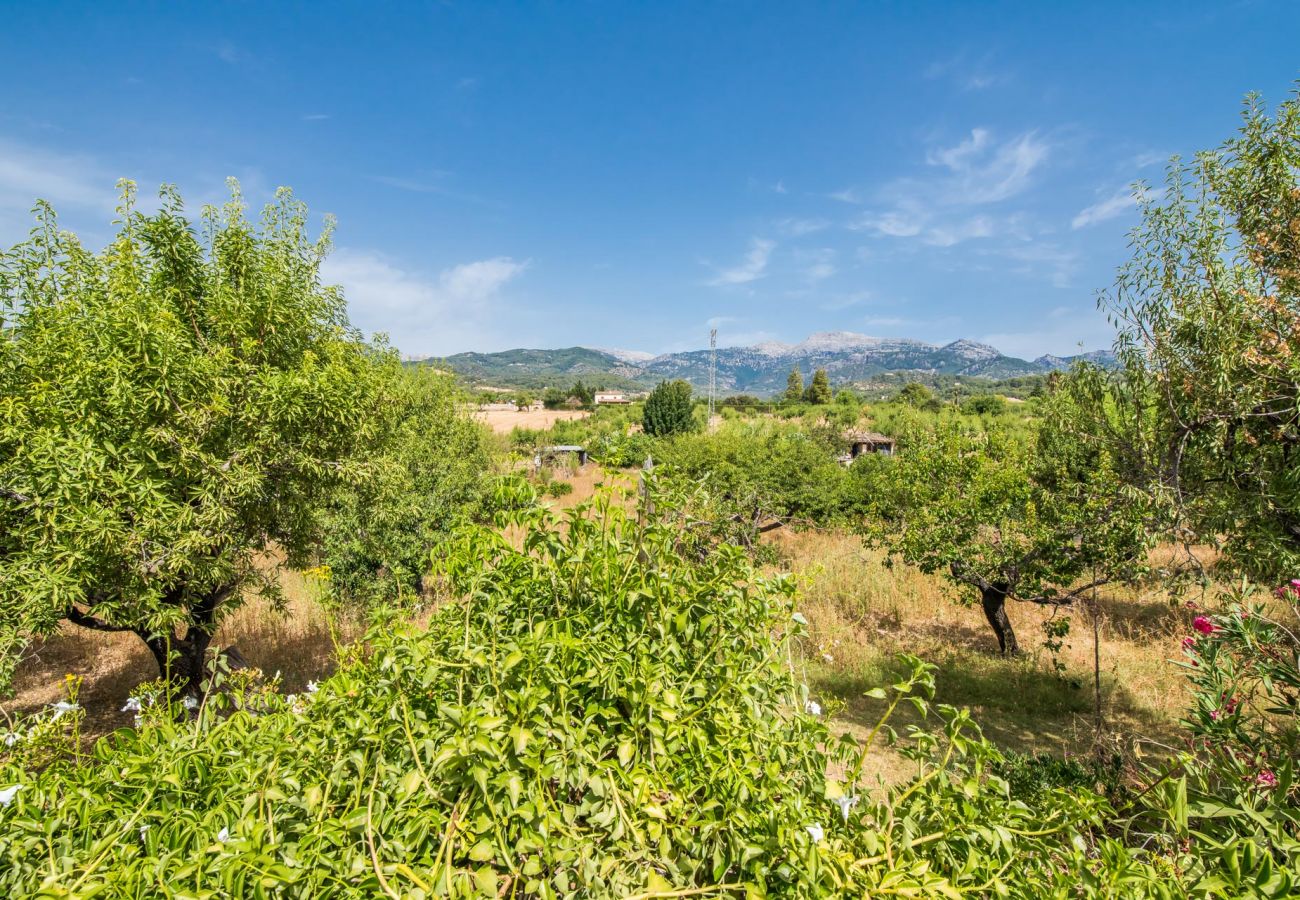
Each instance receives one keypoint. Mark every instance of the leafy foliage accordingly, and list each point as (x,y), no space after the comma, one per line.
(669,410)
(169,408)
(1204,413)
(819,389)
(1013,521)
(794,386)
(608,711)
(427,467)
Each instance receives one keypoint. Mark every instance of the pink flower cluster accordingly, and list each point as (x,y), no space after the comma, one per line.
(1203,625)
(1293,588)
(1266,779)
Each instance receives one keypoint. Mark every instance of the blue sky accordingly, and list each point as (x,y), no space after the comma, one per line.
(622,175)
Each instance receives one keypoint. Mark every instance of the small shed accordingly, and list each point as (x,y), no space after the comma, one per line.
(861,442)
(550,454)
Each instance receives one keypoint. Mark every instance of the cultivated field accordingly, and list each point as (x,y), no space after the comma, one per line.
(503,421)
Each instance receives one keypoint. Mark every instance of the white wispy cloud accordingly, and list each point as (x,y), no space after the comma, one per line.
(846,301)
(28,173)
(1116,204)
(315,117)
(752,268)
(978,171)
(1043,259)
(81,189)
(819,264)
(419,186)
(988,173)
(800,227)
(455,310)
(1149,158)
(230,54)
(967,73)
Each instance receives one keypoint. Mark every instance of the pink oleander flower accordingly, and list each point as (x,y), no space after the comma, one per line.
(1204,625)
(1214,715)
(1266,779)
(1189,643)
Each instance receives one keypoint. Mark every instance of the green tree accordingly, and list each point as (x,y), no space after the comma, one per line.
(915,394)
(1011,520)
(428,463)
(985,405)
(819,391)
(1203,411)
(669,409)
(206,391)
(583,394)
(794,386)
(553,398)
(523,401)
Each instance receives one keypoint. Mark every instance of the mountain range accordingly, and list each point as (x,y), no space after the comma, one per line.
(848,359)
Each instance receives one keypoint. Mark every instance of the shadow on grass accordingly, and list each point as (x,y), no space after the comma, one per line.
(1017,705)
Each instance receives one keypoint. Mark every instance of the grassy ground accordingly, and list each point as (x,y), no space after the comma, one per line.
(861,614)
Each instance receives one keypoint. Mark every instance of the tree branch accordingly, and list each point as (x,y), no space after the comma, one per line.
(86,620)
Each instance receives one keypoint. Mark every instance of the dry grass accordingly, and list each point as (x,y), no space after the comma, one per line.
(503,421)
(296,642)
(862,613)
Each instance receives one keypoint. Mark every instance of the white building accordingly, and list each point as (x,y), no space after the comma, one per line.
(611,397)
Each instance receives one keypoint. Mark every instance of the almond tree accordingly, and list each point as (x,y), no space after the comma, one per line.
(170,409)
(1034,522)
(1203,413)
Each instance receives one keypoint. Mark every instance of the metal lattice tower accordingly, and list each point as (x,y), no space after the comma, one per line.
(713,369)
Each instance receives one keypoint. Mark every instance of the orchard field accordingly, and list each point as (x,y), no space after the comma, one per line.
(281,617)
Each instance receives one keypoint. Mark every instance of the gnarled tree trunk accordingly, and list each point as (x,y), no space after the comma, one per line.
(993,597)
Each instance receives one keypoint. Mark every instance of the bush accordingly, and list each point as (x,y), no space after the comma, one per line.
(669,410)
(608,711)
(559,489)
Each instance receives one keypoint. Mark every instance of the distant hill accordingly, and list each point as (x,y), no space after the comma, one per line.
(848,359)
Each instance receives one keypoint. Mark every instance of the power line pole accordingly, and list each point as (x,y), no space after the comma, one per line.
(713,370)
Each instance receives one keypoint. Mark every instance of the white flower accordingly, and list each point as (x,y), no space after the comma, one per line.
(132,705)
(144,829)
(817,832)
(813,708)
(190,703)
(799,617)
(63,706)
(223,835)
(7,795)
(845,804)
(312,687)
(828,657)
(12,738)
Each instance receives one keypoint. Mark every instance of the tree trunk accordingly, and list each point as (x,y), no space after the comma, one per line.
(182,660)
(994,600)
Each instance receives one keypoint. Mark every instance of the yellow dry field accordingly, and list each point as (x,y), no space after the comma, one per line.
(503,421)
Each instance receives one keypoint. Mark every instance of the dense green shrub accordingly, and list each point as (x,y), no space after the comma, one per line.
(767,470)
(669,409)
(559,489)
(427,467)
(607,711)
